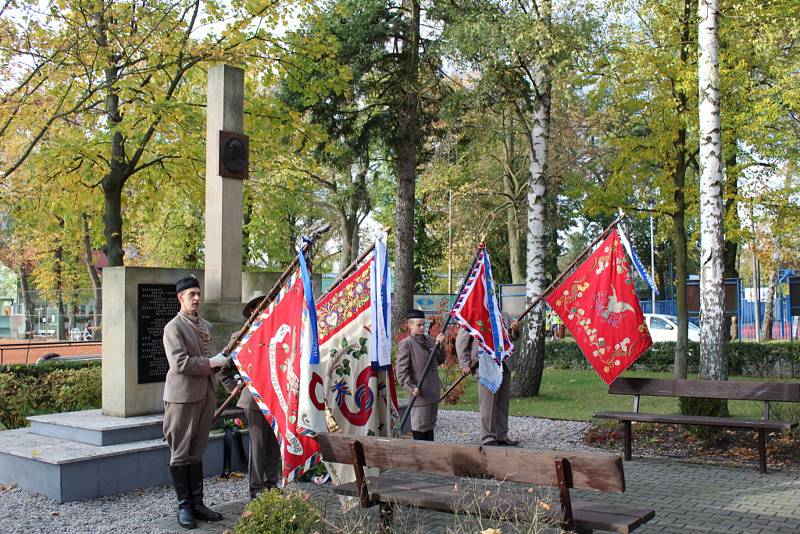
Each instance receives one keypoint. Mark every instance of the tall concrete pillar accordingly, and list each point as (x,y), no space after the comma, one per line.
(223,244)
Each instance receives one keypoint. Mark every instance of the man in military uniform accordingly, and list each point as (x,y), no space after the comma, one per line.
(264,450)
(493,406)
(189,401)
(412,355)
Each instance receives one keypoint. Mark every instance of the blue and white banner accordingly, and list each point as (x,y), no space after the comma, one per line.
(637,263)
(380,347)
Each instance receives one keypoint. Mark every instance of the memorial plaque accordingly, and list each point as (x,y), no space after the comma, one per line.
(157,306)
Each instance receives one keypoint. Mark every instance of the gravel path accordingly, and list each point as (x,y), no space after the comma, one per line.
(533,433)
(24,512)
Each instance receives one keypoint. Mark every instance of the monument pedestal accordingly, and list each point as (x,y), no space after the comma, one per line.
(82,455)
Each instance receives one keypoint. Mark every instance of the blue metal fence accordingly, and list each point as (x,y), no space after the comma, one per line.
(512,297)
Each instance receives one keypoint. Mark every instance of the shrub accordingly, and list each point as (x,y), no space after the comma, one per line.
(786,411)
(704,407)
(274,511)
(74,389)
(54,387)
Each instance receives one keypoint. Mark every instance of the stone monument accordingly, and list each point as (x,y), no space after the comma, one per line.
(87,454)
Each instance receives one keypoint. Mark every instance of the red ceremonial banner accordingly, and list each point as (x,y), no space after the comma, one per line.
(270,357)
(599,306)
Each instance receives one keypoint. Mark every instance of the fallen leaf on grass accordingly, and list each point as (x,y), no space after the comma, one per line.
(246,514)
(544,505)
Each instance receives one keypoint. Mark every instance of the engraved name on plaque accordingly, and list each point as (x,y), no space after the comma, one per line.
(157,306)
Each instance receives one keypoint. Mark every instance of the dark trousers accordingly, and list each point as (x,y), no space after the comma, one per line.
(265,455)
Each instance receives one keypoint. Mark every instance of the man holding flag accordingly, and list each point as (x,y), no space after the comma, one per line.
(412,356)
(493,407)
(264,453)
(272,356)
(484,344)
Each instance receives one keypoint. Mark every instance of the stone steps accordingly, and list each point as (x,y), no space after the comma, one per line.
(80,456)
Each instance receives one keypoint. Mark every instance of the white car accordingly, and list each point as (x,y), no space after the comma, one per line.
(665,328)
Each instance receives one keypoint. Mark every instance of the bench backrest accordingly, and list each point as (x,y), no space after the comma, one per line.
(590,470)
(707,389)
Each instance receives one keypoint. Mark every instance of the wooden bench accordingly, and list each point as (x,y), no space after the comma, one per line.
(708,389)
(600,472)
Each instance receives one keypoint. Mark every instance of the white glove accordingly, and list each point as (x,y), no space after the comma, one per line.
(220,360)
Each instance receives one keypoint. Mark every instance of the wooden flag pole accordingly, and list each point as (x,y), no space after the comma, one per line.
(432,352)
(314,234)
(549,288)
(569,267)
(350,268)
(235,393)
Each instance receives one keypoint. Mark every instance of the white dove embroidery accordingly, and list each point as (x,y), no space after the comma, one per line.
(615,306)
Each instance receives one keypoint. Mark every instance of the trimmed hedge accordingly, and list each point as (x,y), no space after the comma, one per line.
(47,388)
(774,358)
(41,369)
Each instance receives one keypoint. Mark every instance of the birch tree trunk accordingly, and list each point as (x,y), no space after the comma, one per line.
(713,364)
(769,306)
(511,183)
(530,361)
(22,272)
(94,276)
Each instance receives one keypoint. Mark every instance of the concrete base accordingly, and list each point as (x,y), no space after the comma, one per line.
(69,470)
(94,428)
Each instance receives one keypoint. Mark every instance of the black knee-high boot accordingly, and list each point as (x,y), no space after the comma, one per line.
(200,510)
(180,478)
(429,435)
(418,435)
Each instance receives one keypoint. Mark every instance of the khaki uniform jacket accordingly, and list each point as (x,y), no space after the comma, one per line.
(189,368)
(412,355)
(467,350)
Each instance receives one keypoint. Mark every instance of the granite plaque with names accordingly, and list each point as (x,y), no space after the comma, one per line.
(157,306)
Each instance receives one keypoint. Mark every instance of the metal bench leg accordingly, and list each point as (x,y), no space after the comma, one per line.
(564,478)
(386,516)
(762,451)
(628,439)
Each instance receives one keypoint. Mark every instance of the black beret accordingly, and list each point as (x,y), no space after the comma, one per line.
(415,314)
(185,283)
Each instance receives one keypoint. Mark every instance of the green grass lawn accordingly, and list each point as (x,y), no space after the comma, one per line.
(577,394)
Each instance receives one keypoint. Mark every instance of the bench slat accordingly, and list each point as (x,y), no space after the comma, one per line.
(615,517)
(728,422)
(708,389)
(593,471)
(512,506)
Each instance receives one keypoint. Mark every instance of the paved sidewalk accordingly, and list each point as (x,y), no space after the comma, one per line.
(687,497)
(690,497)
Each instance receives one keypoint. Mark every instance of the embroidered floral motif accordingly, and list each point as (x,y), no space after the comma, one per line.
(343,305)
